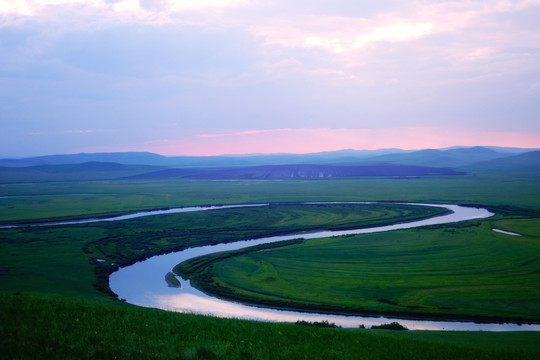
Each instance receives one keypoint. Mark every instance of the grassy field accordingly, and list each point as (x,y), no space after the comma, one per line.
(49,201)
(63,259)
(40,327)
(54,305)
(449,272)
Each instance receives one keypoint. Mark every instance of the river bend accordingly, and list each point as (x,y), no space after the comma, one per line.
(143,283)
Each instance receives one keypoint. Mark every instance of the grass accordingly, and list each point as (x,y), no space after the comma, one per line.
(53,299)
(172,280)
(463,272)
(105,198)
(48,260)
(40,327)
(63,259)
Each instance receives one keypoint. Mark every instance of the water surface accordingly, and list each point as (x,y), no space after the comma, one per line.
(143,283)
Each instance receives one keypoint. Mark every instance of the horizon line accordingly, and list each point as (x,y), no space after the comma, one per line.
(11,157)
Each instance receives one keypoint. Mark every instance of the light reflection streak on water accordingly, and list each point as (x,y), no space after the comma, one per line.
(134,215)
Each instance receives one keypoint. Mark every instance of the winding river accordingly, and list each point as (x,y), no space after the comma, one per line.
(143,283)
(131,215)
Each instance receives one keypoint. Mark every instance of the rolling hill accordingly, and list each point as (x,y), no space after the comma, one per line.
(454,157)
(457,157)
(72,172)
(299,171)
(523,163)
(336,164)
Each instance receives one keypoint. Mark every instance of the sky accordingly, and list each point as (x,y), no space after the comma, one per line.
(210,77)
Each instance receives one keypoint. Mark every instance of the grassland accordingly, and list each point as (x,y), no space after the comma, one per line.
(53,201)
(38,327)
(53,307)
(66,257)
(457,271)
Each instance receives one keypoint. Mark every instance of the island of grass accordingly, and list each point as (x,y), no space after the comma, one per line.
(133,240)
(172,281)
(460,271)
(121,243)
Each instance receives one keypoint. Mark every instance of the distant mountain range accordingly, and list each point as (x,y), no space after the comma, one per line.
(528,162)
(72,172)
(302,171)
(451,158)
(335,164)
(459,156)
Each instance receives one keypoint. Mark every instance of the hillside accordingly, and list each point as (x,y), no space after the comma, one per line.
(336,164)
(145,158)
(523,163)
(454,157)
(303,171)
(72,172)
(457,157)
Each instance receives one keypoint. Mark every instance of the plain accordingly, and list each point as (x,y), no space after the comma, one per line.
(51,306)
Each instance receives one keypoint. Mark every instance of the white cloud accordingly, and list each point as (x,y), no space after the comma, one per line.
(341,42)
(178,5)
(21,7)
(394,32)
(35,7)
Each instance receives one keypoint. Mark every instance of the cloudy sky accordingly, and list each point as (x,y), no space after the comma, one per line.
(204,77)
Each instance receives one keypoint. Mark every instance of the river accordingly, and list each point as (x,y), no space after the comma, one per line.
(143,283)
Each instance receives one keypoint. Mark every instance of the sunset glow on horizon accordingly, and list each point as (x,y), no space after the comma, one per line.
(214,77)
(303,141)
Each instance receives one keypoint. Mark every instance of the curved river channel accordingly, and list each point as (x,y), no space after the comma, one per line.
(144,284)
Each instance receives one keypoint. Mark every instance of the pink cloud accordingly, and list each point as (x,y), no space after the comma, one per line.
(309,140)
(243,133)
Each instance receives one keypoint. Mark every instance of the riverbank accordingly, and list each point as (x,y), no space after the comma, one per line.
(173,301)
(54,280)
(269,278)
(37,326)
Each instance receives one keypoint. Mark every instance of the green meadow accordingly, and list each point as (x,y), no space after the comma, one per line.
(453,272)
(53,254)
(41,327)
(64,200)
(55,301)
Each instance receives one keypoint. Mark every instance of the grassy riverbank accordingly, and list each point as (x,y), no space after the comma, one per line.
(65,258)
(53,201)
(51,276)
(38,327)
(460,271)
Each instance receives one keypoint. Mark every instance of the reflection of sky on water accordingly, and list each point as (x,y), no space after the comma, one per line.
(143,284)
(133,215)
(191,303)
(217,307)
(506,232)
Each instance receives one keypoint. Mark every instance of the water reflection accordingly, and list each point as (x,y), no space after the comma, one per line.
(133,215)
(142,283)
(506,232)
(191,303)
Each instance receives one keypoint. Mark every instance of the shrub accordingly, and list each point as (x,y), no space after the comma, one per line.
(392,326)
(321,324)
